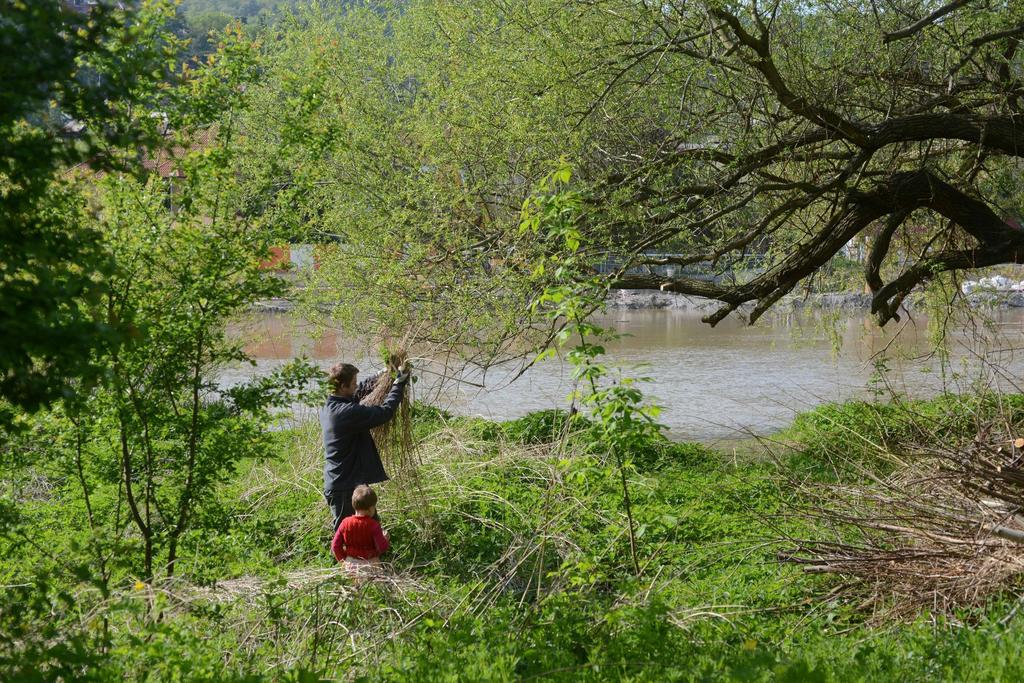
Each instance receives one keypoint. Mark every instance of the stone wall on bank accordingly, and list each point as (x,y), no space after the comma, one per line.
(653,299)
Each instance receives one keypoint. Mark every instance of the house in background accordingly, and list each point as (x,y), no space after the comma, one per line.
(80,6)
(166,162)
(87,6)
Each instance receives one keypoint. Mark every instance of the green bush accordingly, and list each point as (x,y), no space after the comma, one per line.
(544,426)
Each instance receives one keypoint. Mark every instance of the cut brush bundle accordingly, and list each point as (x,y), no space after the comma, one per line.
(394,438)
(397,447)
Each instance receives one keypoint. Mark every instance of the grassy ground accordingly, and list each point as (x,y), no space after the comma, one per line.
(511,561)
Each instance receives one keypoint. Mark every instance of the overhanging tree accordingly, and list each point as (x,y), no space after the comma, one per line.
(848,117)
(707,132)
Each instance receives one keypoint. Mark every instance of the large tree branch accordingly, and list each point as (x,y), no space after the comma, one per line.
(922,189)
(924,22)
(1000,243)
(774,284)
(880,249)
(1004,134)
(887,300)
(801,106)
(897,196)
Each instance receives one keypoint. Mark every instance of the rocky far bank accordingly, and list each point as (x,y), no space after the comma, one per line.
(986,293)
(653,299)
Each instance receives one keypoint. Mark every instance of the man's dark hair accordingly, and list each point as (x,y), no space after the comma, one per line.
(363,498)
(341,374)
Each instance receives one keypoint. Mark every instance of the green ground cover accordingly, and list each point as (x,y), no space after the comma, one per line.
(510,562)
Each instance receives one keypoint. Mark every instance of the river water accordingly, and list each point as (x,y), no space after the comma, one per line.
(721,383)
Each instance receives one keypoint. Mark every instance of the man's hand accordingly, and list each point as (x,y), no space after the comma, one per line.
(404,372)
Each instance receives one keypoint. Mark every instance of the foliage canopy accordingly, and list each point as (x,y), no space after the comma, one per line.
(727,150)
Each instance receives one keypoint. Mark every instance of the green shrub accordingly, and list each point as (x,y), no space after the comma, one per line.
(543,426)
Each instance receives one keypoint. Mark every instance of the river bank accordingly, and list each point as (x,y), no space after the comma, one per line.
(657,300)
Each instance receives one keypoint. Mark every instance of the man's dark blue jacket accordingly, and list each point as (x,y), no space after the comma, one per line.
(352,456)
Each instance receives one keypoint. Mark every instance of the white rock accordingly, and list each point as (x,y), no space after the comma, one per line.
(1000,282)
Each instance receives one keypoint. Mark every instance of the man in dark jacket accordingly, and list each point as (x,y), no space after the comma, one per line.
(352,458)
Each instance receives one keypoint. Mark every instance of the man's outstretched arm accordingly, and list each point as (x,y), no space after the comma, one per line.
(369,417)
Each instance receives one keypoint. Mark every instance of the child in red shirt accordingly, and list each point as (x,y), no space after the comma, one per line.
(359,539)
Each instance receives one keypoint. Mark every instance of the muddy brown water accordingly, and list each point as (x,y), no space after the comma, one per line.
(728,382)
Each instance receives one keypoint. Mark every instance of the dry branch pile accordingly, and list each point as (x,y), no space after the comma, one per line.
(945,530)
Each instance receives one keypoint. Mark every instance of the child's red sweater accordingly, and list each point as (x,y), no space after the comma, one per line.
(359,537)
